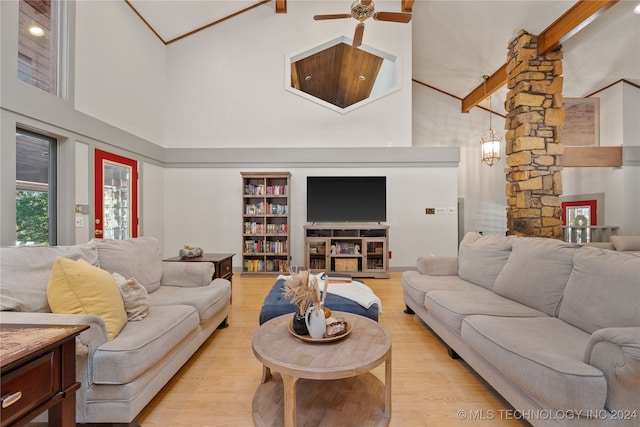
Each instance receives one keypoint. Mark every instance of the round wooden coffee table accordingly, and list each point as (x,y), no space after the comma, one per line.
(322,384)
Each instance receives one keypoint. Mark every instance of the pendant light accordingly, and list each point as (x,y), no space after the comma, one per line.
(490,141)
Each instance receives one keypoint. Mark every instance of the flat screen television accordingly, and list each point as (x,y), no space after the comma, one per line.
(346,198)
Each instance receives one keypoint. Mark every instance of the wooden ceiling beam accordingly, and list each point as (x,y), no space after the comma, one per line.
(494,82)
(592,156)
(407,6)
(281,6)
(573,20)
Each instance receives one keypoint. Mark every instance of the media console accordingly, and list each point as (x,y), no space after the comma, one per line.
(360,249)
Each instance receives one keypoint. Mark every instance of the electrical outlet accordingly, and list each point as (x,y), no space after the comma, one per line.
(452,210)
(79,222)
(441,211)
(430,211)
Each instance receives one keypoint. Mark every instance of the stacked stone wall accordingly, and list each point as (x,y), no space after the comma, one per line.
(533,149)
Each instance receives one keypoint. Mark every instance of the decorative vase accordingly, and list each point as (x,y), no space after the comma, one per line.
(316,324)
(299,324)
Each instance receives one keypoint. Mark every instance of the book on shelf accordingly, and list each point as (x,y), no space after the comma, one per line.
(333,277)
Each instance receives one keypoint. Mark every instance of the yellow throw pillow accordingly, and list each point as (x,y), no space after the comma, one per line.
(77,287)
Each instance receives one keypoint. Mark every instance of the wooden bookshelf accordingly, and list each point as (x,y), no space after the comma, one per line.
(265,222)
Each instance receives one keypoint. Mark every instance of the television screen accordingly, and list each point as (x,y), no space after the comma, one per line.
(346,198)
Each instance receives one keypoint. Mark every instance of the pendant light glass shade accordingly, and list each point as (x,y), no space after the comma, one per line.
(490,147)
(490,141)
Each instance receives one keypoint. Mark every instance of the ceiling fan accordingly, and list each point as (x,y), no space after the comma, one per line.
(363,10)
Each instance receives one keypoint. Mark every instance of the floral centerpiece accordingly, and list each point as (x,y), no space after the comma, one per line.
(303,290)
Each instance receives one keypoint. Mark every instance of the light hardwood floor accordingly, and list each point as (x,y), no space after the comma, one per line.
(216,386)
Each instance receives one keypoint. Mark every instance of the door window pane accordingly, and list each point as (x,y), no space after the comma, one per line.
(116,189)
(38,44)
(35,189)
(117,180)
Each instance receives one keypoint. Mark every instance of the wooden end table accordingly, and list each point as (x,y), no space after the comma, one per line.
(223,265)
(322,384)
(37,365)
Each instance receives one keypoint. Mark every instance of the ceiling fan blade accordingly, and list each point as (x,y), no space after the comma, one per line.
(392,17)
(357,36)
(335,16)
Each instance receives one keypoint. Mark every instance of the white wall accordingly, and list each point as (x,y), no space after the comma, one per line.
(125,103)
(619,108)
(119,69)
(226,88)
(215,222)
(437,121)
(152,201)
(82,193)
(631,138)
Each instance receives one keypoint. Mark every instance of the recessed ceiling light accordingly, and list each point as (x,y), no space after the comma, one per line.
(637,9)
(362,77)
(307,78)
(36,31)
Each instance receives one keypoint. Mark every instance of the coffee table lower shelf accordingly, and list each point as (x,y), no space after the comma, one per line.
(354,401)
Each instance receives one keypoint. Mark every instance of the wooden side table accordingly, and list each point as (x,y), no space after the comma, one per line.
(223,265)
(37,364)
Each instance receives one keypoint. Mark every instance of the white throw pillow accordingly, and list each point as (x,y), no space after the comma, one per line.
(135,297)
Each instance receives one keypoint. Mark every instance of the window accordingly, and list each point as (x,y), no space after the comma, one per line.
(38,45)
(35,189)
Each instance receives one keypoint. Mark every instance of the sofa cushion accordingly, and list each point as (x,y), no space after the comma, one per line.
(536,273)
(143,344)
(77,287)
(541,355)
(438,265)
(417,285)
(207,300)
(186,274)
(139,257)
(481,258)
(135,297)
(603,290)
(626,243)
(25,271)
(451,307)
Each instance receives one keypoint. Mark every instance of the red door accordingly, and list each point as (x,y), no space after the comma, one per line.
(580,213)
(116,193)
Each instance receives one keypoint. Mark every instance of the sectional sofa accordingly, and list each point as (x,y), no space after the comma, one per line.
(553,327)
(121,363)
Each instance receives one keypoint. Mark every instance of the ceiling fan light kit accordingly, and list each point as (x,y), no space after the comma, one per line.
(362,10)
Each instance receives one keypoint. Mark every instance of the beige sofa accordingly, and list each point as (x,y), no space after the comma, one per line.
(553,327)
(120,376)
(619,243)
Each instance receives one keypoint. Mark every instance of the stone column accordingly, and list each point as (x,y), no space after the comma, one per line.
(533,149)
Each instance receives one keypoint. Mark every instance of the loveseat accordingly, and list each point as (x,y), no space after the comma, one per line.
(553,327)
(118,376)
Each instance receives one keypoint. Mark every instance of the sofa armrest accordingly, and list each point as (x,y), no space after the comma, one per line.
(616,352)
(438,265)
(187,274)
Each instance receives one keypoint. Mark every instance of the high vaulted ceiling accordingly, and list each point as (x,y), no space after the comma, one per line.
(455,42)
